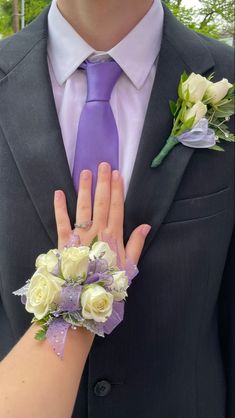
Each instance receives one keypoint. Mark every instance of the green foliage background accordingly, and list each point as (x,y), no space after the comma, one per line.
(214,18)
(32,9)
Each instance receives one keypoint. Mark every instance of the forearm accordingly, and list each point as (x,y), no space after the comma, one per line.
(33,378)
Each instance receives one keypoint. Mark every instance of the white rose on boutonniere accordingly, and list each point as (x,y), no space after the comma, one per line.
(194,88)
(43,292)
(96,303)
(48,260)
(119,285)
(217,91)
(101,249)
(197,111)
(74,263)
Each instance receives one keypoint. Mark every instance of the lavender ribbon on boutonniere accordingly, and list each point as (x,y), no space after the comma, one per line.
(200,115)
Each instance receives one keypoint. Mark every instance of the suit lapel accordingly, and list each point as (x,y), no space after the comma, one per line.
(29,122)
(151,191)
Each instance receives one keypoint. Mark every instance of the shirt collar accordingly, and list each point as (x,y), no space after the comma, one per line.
(135,53)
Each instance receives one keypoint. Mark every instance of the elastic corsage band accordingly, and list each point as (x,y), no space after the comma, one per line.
(81,286)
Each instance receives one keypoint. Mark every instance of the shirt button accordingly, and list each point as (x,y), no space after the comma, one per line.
(102,388)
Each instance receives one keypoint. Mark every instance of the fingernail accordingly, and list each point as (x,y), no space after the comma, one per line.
(145,229)
(58,195)
(115,175)
(85,174)
(104,167)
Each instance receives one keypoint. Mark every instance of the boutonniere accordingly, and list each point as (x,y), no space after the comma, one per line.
(200,114)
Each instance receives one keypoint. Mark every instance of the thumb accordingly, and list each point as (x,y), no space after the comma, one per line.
(136,242)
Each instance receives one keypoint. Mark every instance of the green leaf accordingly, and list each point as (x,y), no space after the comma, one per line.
(178,104)
(226,109)
(184,77)
(226,137)
(71,319)
(42,321)
(180,92)
(211,76)
(231,91)
(173,107)
(187,95)
(41,334)
(94,241)
(222,131)
(216,148)
(189,123)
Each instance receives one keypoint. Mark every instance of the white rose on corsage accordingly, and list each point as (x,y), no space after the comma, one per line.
(194,88)
(43,292)
(198,111)
(48,260)
(102,250)
(74,263)
(96,303)
(217,91)
(119,285)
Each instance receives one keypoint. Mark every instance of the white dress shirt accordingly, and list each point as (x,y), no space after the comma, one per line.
(136,54)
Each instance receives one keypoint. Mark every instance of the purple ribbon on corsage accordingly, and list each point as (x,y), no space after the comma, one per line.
(56,335)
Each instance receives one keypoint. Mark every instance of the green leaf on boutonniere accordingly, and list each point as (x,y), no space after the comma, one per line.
(216,148)
(224,110)
(173,107)
(225,136)
(183,78)
(178,105)
(188,124)
(231,92)
(187,95)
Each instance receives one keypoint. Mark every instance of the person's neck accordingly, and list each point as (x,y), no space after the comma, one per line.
(103,23)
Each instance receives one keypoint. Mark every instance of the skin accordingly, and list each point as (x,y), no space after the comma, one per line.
(103,23)
(34,382)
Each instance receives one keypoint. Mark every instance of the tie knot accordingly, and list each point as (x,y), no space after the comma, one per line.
(101,78)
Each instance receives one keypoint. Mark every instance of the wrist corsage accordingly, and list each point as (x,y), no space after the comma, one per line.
(80,286)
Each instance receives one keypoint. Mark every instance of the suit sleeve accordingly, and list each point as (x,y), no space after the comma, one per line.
(227,326)
(7,339)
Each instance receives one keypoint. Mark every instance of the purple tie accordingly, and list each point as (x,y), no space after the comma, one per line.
(97,137)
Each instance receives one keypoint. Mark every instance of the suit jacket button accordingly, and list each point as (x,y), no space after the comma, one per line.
(102,388)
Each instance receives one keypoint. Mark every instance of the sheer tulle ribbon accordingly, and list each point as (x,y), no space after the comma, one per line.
(199,137)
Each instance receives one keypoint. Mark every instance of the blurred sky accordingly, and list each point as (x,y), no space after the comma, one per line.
(191,3)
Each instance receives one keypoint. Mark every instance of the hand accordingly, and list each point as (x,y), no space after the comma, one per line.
(107,214)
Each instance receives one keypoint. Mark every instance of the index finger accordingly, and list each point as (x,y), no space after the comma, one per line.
(62,218)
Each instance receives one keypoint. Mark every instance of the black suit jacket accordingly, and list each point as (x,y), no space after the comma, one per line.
(173,356)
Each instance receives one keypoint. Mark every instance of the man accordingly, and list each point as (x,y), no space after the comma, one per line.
(173,355)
